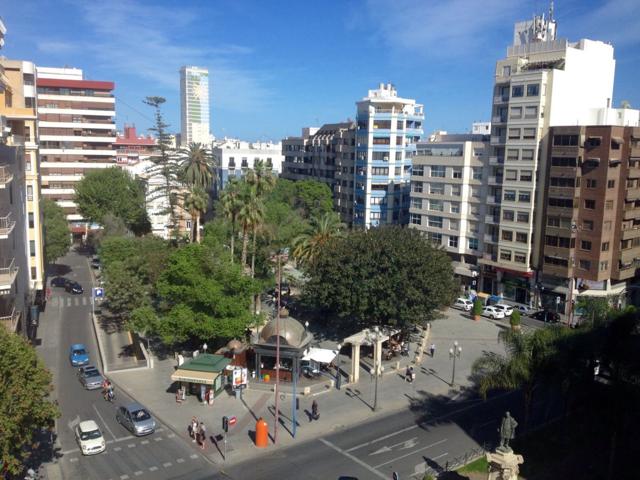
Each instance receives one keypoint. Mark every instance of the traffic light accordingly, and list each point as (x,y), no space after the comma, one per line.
(225,424)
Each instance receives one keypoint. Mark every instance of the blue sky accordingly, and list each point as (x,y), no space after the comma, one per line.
(277,66)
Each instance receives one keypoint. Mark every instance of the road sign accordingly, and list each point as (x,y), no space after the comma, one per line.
(98,292)
(558,300)
(233,421)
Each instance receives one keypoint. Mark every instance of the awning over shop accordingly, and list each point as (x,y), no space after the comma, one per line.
(192,376)
(320,355)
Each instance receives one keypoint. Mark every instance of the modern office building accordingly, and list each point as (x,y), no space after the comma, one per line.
(591,213)
(194,106)
(235,157)
(76,130)
(327,155)
(388,128)
(448,191)
(544,81)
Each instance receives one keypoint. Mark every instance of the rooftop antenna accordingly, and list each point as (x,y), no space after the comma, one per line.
(551,11)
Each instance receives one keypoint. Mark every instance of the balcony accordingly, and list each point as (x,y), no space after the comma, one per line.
(493,200)
(500,99)
(632,194)
(491,257)
(6,226)
(6,175)
(492,219)
(498,139)
(9,320)
(489,238)
(496,160)
(8,273)
(498,119)
(495,180)
(15,141)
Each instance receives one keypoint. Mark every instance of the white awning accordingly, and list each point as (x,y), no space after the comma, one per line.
(320,355)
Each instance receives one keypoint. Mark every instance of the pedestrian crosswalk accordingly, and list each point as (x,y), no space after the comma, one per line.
(69,301)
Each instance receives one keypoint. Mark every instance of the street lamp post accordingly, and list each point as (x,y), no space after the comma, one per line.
(377,368)
(338,376)
(454,353)
(204,347)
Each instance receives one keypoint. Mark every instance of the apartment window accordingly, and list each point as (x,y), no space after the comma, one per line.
(590,204)
(608,205)
(380,171)
(374,216)
(585,264)
(591,183)
(585,245)
(398,156)
(523,217)
(436,188)
(415,202)
(31,220)
(454,225)
(379,156)
(418,170)
(506,70)
(519,257)
(533,89)
(34,273)
(473,244)
(244,162)
(593,142)
(562,182)
(455,207)
(435,221)
(507,235)
(517,91)
(436,205)
(611,183)
(416,219)
(587,225)
(456,190)
(29,192)
(530,112)
(606,226)
(510,195)
(527,155)
(435,237)
(397,171)
(604,266)
(416,187)
(508,215)
(605,246)
(505,255)
(524,197)
(477,173)
(511,175)
(32,248)
(526,175)
(512,154)
(457,172)
(438,171)
(516,113)
(560,202)
(565,140)
(563,161)
(514,134)
(553,221)
(529,133)
(473,227)
(521,237)
(562,262)
(453,242)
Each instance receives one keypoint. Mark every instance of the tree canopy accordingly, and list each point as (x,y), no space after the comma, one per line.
(113,191)
(24,402)
(57,236)
(388,275)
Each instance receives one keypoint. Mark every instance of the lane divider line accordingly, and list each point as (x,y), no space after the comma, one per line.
(411,453)
(354,459)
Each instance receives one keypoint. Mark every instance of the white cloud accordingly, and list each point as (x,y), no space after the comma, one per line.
(615,21)
(53,47)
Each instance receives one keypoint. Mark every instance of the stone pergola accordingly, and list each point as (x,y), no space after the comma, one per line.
(367,337)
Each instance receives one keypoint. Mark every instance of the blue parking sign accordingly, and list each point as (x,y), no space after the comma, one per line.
(98,292)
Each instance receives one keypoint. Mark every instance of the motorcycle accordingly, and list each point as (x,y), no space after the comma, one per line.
(110,396)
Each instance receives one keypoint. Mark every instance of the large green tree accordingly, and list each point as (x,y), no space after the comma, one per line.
(314,197)
(126,291)
(57,236)
(203,296)
(322,231)
(144,257)
(24,400)
(113,191)
(388,275)
(197,167)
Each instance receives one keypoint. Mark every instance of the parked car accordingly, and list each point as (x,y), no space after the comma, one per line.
(135,418)
(95,263)
(90,377)
(504,308)
(492,312)
(78,355)
(546,316)
(73,287)
(89,438)
(59,282)
(525,310)
(463,304)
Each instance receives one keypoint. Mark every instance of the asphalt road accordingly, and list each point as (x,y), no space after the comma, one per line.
(162,455)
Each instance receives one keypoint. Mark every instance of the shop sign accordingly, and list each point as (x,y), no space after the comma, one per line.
(239,379)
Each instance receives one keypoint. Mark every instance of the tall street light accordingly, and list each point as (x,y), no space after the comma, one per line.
(377,368)
(278,258)
(454,352)
(338,375)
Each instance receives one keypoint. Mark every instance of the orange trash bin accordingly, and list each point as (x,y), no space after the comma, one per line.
(262,433)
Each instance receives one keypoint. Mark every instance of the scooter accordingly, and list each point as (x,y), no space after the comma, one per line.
(110,396)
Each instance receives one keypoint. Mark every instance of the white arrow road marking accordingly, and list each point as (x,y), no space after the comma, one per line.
(406,444)
(411,453)
(384,449)
(72,423)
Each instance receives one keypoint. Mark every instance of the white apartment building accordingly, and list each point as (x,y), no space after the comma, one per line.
(194,106)
(234,157)
(543,81)
(448,191)
(76,129)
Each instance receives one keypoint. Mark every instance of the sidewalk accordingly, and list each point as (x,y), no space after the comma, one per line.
(338,408)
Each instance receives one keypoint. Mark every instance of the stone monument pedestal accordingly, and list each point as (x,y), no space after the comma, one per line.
(503,465)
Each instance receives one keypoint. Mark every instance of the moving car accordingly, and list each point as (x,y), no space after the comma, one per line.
(525,310)
(90,377)
(73,287)
(89,438)
(463,304)
(59,282)
(504,308)
(492,312)
(135,418)
(78,355)
(546,316)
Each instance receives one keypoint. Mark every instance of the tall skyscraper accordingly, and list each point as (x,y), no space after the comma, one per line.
(194,105)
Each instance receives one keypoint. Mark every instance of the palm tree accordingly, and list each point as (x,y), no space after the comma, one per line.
(250,215)
(197,166)
(196,202)
(261,179)
(325,229)
(230,201)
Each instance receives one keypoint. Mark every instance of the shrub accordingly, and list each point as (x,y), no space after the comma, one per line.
(477,307)
(515,318)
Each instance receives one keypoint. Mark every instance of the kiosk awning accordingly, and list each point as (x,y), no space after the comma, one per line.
(192,376)
(320,355)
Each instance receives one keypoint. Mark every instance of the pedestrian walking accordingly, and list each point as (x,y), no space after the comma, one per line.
(407,375)
(432,349)
(203,435)
(193,429)
(314,410)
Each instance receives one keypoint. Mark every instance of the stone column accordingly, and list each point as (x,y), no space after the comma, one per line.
(355,363)
(377,354)
(503,465)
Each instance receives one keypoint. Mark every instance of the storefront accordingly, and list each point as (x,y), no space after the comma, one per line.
(204,376)
(516,287)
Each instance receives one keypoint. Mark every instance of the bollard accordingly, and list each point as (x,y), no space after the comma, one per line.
(262,433)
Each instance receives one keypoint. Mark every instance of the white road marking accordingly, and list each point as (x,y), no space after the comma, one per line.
(407,444)
(171,435)
(77,301)
(131,445)
(117,449)
(84,300)
(108,442)
(124,477)
(68,302)
(144,442)
(354,459)
(179,460)
(167,464)
(103,422)
(440,456)
(411,453)
(138,473)
(382,438)
(74,459)
(193,455)
(153,469)
(158,439)
(160,429)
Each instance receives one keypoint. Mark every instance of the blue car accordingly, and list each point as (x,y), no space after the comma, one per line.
(78,355)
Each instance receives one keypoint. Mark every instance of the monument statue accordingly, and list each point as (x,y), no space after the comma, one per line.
(507,432)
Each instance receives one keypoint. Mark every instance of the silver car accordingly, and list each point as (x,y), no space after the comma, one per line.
(90,377)
(135,418)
